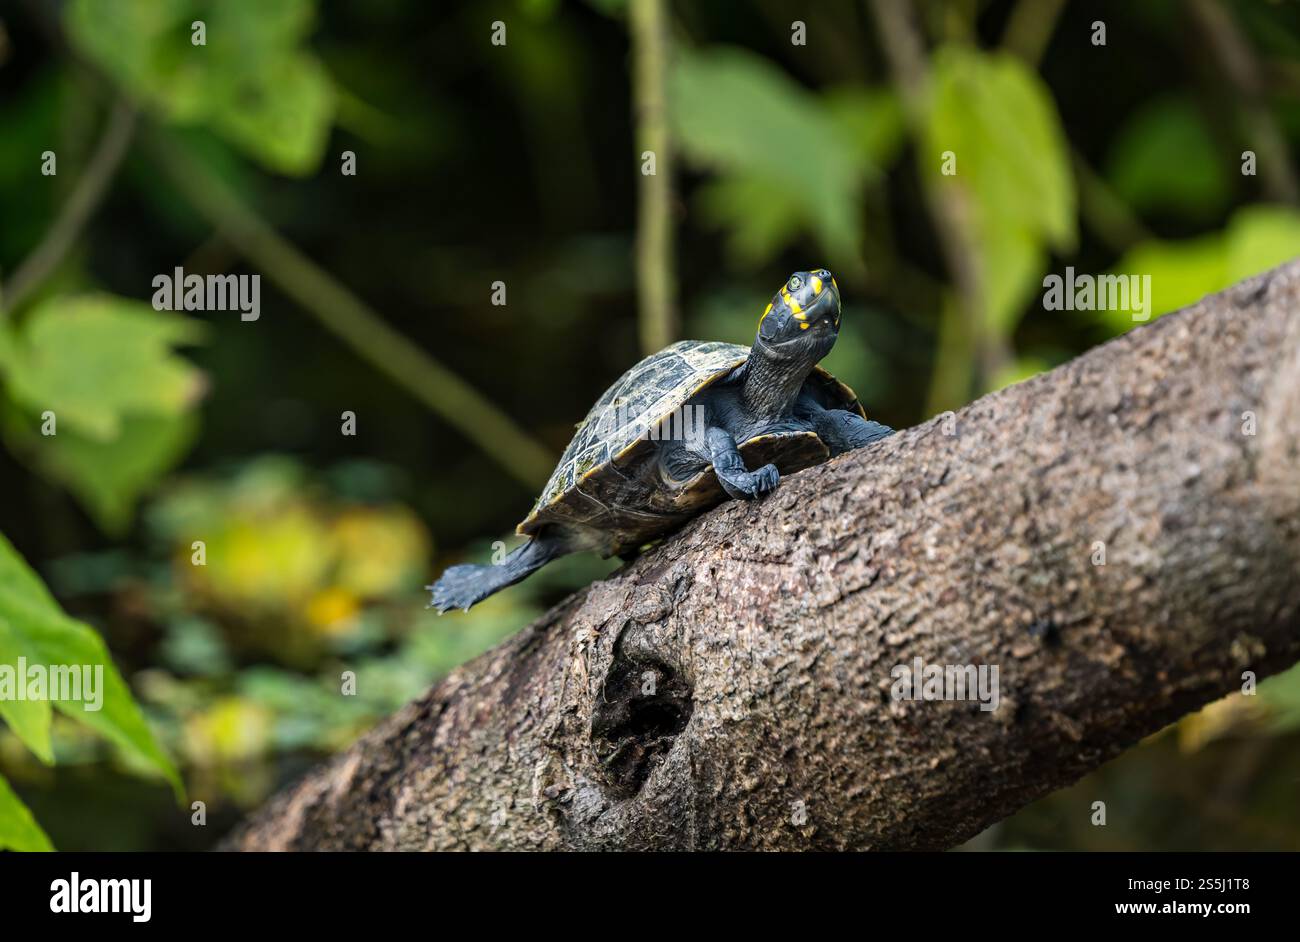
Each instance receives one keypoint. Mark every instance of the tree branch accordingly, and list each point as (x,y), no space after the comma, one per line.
(76,212)
(732,689)
(656,283)
(1237,61)
(1029,30)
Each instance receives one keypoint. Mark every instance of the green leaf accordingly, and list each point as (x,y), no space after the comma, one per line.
(29,719)
(736,113)
(1014,261)
(285,115)
(254,81)
(1281,694)
(92,359)
(1164,160)
(121,398)
(1260,238)
(141,43)
(1182,272)
(36,628)
(109,478)
(1012,170)
(18,829)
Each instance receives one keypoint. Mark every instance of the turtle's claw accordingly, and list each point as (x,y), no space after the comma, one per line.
(753,484)
(766,479)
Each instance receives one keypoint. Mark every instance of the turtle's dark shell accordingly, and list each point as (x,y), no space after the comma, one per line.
(601,484)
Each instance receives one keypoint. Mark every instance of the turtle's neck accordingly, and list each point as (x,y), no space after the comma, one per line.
(771,385)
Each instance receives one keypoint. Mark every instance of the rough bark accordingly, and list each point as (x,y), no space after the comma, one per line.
(769,630)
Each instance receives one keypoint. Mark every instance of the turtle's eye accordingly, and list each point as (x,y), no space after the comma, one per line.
(795,282)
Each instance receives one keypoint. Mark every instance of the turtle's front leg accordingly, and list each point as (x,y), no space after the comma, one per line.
(844,431)
(735,479)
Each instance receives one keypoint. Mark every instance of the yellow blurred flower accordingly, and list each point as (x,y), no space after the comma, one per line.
(332,611)
(231,729)
(284,567)
(265,559)
(380,551)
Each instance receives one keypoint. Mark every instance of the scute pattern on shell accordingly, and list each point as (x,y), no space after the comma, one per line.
(636,402)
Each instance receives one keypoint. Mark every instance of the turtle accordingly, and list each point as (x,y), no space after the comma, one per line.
(679,433)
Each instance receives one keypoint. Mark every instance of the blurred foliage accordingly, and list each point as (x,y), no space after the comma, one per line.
(255,83)
(34,629)
(294,569)
(105,369)
(998,120)
(1164,160)
(791,162)
(303,576)
(478,163)
(1184,271)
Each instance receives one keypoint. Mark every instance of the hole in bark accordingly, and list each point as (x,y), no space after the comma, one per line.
(642,709)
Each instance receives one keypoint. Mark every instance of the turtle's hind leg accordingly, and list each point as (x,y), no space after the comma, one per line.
(463,586)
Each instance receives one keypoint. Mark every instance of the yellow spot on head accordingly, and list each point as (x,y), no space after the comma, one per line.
(766,311)
(795,309)
(817,285)
(803,326)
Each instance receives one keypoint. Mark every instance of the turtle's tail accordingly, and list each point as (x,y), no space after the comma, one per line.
(463,586)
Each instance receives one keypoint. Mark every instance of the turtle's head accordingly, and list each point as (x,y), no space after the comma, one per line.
(803,318)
